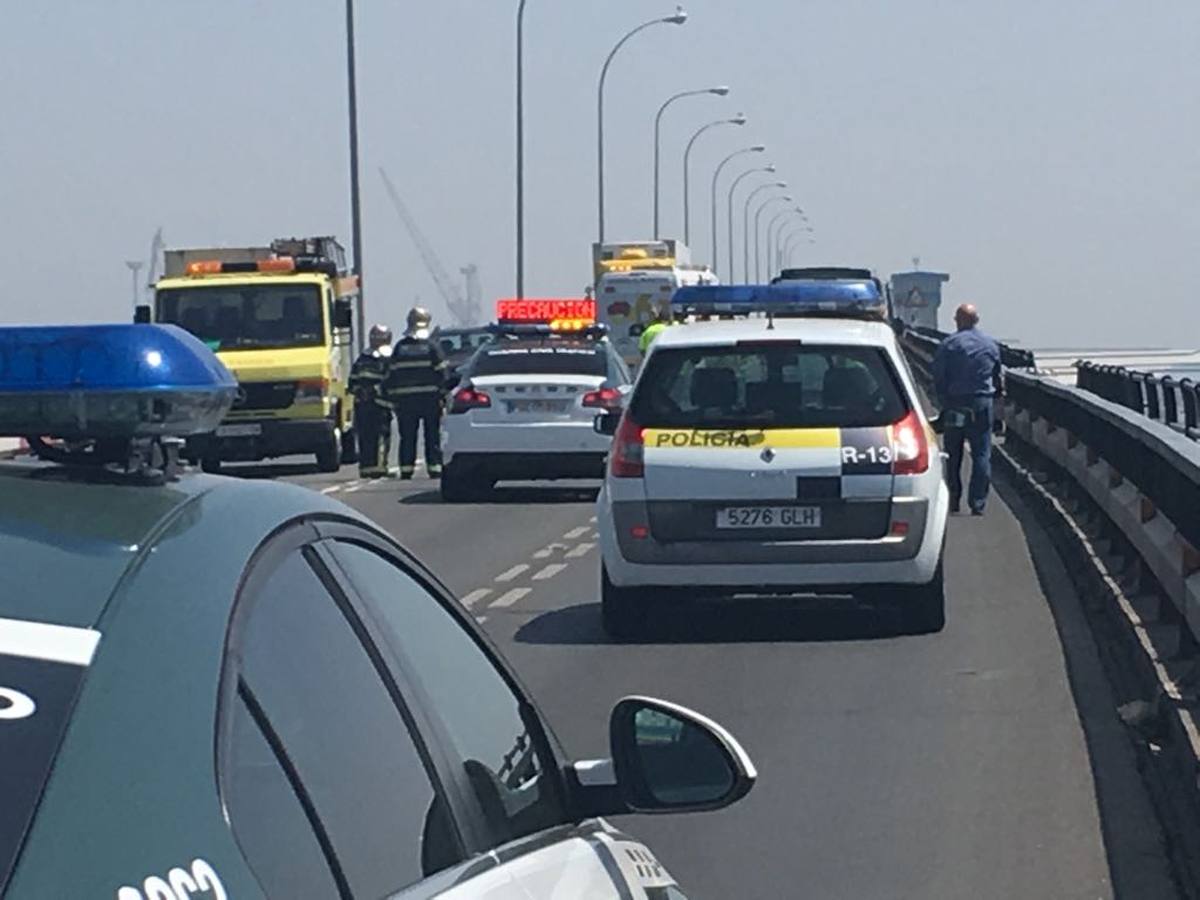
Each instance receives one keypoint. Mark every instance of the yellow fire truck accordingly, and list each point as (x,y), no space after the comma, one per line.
(285,319)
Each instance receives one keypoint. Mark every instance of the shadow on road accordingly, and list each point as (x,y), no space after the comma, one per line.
(509,496)
(747,621)
(269,470)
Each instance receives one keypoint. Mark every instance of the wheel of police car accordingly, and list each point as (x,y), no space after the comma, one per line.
(459,485)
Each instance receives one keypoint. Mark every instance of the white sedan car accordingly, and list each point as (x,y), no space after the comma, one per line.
(525,410)
(766,457)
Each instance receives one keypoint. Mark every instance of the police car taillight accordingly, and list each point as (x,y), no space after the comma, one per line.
(910,446)
(605,398)
(466,398)
(627,459)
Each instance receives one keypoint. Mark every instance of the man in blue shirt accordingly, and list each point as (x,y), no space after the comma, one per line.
(967,376)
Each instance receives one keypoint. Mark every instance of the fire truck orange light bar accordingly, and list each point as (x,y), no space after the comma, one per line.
(204,267)
(548,310)
(279,264)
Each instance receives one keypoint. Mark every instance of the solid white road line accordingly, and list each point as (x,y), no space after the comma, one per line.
(512,573)
(579,550)
(577,532)
(475,596)
(549,572)
(508,598)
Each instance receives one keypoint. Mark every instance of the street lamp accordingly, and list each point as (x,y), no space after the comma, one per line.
(678,19)
(746,224)
(729,225)
(135,266)
(772,247)
(719,91)
(783,238)
(758,231)
(521,150)
(739,119)
(757,148)
(355,206)
(788,247)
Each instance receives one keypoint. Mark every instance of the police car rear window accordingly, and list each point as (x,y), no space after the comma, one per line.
(541,359)
(41,670)
(775,384)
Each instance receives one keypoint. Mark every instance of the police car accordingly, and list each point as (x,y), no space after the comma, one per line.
(219,688)
(778,448)
(525,403)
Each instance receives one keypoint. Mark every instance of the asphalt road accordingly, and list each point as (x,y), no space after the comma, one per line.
(982,762)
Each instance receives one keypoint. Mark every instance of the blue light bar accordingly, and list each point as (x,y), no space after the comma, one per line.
(109,381)
(852,298)
(518,329)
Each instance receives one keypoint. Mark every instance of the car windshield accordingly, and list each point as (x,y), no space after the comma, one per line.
(775,385)
(247,316)
(458,342)
(540,358)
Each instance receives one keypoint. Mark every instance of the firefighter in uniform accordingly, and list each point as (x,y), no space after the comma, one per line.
(415,386)
(372,411)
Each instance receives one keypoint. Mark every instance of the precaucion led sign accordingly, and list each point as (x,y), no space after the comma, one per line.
(550,310)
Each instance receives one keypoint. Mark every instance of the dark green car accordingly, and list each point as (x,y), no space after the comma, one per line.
(221,688)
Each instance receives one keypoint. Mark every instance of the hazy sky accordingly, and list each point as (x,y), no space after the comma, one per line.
(1045,153)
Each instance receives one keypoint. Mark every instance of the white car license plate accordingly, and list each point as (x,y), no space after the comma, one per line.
(539,406)
(769,517)
(247,430)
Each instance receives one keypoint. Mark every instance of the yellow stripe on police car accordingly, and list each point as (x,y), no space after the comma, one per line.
(741,438)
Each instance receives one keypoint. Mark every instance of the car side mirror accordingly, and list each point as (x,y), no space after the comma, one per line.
(665,758)
(343,313)
(606,423)
(141,315)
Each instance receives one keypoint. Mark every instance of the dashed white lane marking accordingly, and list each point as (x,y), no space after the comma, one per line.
(475,596)
(592,520)
(354,487)
(577,532)
(579,550)
(548,550)
(481,619)
(512,573)
(508,598)
(331,490)
(548,572)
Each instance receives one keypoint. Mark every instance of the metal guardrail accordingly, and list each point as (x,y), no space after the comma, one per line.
(1164,469)
(1174,402)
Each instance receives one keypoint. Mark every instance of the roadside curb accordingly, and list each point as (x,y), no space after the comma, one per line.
(1145,650)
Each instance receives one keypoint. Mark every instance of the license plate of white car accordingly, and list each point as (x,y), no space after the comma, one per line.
(769,517)
(247,430)
(539,406)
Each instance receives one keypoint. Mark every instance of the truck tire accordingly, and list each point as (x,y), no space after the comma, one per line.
(622,610)
(349,447)
(923,609)
(329,456)
(211,464)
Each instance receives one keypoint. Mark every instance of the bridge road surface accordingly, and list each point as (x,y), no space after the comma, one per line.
(957,765)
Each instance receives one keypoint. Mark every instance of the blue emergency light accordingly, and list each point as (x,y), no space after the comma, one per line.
(95,382)
(849,298)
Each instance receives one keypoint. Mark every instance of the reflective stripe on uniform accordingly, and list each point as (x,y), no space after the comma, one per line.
(415,389)
(423,363)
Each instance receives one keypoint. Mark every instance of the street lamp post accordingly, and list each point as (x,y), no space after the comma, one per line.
(719,91)
(746,224)
(782,239)
(678,19)
(788,246)
(729,224)
(521,150)
(355,206)
(135,266)
(739,119)
(772,249)
(758,231)
(757,148)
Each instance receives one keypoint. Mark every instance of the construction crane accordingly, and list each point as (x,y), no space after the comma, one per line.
(154,266)
(464,310)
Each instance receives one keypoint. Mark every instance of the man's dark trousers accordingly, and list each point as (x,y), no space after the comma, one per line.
(978,434)
(423,412)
